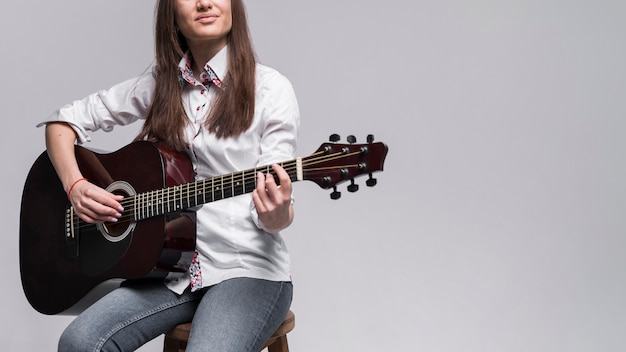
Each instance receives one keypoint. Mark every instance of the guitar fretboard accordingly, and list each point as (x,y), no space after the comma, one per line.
(177,198)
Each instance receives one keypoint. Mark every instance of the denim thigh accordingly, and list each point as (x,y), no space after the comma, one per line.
(235,315)
(239,315)
(128,317)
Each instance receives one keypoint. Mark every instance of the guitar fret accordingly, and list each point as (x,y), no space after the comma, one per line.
(155,200)
(161,209)
(169,199)
(165,198)
(141,214)
(243,181)
(256,171)
(176,198)
(253,179)
(203,192)
(147,204)
(142,206)
(151,204)
(193,196)
(135,207)
(139,207)
(181,197)
(188,196)
(196,190)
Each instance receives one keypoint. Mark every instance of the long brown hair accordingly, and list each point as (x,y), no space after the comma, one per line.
(232,111)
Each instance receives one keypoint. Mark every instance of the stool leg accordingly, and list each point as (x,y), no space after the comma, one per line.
(280,345)
(171,345)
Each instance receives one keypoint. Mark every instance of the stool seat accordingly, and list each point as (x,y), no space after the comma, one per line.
(176,339)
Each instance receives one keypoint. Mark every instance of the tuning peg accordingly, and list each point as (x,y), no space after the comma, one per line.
(353,187)
(370,138)
(371,182)
(335,194)
(351,139)
(334,138)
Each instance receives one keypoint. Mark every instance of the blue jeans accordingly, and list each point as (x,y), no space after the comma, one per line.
(235,315)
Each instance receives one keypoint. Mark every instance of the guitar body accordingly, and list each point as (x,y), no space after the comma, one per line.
(60,267)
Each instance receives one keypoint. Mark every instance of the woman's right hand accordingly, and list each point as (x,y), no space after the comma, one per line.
(94,204)
(91,203)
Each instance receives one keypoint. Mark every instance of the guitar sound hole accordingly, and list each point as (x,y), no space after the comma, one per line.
(117,231)
(114,229)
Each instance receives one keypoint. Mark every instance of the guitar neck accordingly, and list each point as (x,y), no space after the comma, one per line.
(177,198)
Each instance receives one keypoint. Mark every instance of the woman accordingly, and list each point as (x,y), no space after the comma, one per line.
(208,97)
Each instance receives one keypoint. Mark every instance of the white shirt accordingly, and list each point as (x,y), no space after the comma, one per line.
(230,240)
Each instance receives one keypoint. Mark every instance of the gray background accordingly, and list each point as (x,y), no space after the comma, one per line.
(498,223)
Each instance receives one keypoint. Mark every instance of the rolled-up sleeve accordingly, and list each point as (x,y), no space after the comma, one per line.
(121,105)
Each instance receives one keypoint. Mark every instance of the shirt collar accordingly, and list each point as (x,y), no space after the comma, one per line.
(214,69)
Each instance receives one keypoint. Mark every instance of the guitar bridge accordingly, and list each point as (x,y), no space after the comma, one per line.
(71,233)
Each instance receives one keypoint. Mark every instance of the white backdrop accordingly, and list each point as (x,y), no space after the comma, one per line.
(498,223)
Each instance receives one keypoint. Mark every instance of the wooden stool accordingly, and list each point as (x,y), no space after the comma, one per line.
(176,339)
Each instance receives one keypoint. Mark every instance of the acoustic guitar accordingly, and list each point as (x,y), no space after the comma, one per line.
(67,263)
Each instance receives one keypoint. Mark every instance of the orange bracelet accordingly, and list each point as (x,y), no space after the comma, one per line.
(72,186)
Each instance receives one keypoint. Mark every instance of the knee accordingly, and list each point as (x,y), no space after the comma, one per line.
(73,339)
(70,341)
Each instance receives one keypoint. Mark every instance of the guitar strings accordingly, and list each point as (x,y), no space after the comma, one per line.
(229,181)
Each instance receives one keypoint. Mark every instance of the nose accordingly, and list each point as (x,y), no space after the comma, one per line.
(203,4)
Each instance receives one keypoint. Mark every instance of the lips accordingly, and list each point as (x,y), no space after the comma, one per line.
(206,18)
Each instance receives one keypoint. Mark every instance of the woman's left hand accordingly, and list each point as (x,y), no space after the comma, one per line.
(272,201)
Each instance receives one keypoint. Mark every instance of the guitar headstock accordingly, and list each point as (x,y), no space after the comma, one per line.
(335,163)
